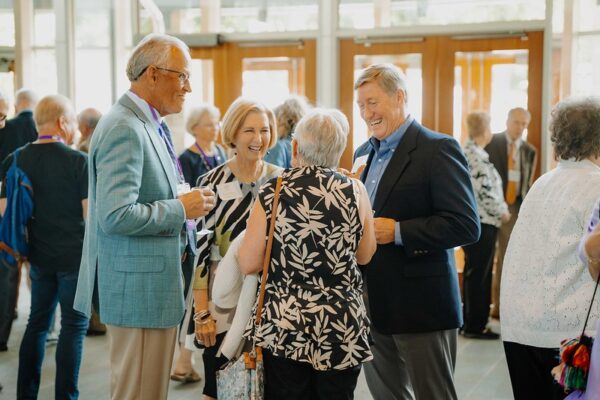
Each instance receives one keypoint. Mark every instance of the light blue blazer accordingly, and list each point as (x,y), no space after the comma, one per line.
(133,236)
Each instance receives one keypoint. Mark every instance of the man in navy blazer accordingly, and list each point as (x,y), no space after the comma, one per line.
(423,204)
(19,130)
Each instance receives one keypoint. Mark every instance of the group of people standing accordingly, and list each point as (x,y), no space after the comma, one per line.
(361,270)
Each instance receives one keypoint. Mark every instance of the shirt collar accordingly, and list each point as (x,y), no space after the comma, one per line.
(149,111)
(391,142)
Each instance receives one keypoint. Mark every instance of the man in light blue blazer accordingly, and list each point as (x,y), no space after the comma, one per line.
(138,207)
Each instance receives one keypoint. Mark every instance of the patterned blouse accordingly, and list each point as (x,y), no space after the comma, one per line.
(227,219)
(487,185)
(313,310)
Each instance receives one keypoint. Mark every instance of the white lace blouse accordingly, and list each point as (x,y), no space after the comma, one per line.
(546,289)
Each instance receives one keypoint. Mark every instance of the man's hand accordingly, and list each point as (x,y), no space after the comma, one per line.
(385,230)
(353,175)
(198,202)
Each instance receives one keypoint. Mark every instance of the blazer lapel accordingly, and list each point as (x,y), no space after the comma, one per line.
(156,140)
(397,165)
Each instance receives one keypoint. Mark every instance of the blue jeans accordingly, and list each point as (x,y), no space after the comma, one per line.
(47,289)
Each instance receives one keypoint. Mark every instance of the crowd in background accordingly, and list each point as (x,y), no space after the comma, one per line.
(165,250)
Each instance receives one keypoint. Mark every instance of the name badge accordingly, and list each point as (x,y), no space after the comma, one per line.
(183,188)
(229,191)
(359,162)
(514,175)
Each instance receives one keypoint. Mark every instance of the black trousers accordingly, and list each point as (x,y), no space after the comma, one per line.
(529,368)
(291,380)
(9,280)
(477,279)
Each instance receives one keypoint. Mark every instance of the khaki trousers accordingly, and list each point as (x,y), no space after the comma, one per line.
(140,362)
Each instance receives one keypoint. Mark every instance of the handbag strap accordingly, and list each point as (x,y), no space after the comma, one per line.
(267,259)
(590,307)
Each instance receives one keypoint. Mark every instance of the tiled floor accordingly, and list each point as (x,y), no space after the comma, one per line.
(481,371)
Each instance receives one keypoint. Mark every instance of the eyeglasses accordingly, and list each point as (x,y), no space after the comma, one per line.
(183,76)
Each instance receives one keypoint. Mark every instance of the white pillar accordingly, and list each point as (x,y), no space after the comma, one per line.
(65,47)
(23,41)
(327,55)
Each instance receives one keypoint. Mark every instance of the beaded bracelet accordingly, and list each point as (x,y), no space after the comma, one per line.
(202,317)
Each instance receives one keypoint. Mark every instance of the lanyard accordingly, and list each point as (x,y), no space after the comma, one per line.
(209,165)
(51,137)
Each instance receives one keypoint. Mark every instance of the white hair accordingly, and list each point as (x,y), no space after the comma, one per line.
(153,49)
(321,136)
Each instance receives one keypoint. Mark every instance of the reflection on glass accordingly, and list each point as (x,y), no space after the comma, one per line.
(410,64)
(272,79)
(494,81)
(367,14)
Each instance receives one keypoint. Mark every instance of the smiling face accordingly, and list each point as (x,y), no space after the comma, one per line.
(382,113)
(252,139)
(169,89)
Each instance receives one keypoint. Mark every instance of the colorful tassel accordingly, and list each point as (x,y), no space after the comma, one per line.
(573,370)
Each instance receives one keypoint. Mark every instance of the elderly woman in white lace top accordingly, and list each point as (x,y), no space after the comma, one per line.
(546,288)
(493,210)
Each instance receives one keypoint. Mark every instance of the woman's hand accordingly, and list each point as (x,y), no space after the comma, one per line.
(592,250)
(206,331)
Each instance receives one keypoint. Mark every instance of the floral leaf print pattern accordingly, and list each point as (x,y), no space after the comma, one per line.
(314,311)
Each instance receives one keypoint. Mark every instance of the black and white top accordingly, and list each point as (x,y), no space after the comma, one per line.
(487,185)
(314,310)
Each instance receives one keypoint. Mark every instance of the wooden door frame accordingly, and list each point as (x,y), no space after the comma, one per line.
(437,63)
(349,48)
(228,64)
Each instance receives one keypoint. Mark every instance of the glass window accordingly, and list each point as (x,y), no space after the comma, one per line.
(410,64)
(271,80)
(216,16)
(357,14)
(7,23)
(493,81)
(92,82)
(92,23)
(44,23)
(44,72)
(587,15)
(586,75)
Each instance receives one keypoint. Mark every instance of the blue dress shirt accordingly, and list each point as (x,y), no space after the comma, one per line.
(384,150)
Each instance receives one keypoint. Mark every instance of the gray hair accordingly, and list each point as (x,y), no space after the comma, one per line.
(321,136)
(196,114)
(387,76)
(289,113)
(521,110)
(153,49)
(575,128)
(25,98)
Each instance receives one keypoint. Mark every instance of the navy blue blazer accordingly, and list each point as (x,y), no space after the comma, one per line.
(18,131)
(426,186)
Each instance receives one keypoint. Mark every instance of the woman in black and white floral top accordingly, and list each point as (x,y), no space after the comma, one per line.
(479,256)
(315,327)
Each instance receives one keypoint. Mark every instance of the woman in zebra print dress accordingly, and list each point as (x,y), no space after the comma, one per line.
(249,129)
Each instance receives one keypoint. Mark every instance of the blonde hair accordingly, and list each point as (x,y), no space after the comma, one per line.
(477,123)
(289,113)
(197,113)
(51,108)
(237,113)
(387,76)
